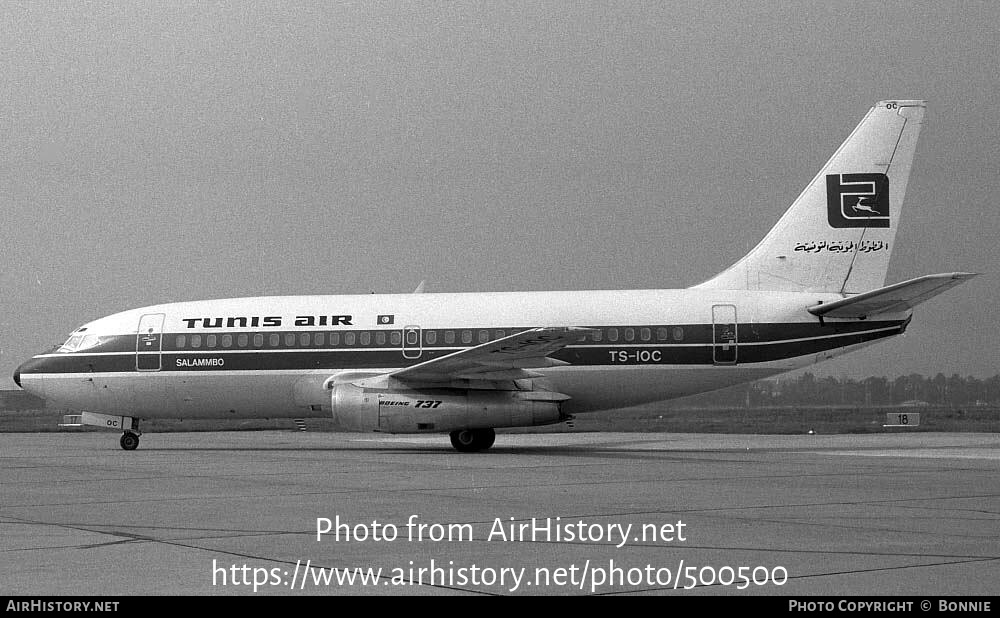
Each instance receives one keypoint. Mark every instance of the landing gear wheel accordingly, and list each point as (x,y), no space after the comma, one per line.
(487,438)
(472,440)
(129,441)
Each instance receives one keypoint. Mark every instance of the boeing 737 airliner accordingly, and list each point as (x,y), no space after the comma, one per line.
(465,364)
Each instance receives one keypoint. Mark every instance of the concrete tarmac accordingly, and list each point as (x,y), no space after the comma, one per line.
(210,513)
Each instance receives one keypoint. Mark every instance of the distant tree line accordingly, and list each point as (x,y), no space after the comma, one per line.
(807,389)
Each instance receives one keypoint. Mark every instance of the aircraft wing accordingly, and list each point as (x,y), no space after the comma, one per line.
(502,359)
(892,298)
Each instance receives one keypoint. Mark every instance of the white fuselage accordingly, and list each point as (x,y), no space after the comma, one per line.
(270,356)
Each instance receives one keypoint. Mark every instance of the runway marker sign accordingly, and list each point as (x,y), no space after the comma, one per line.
(902,419)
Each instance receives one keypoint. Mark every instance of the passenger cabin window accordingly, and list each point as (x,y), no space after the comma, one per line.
(304,340)
(629,334)
(449,337)
(678,333)
(612,334)
(365,338)
(661,334)
(430,336)
(180,341)
(598,335)
(320,339)
(395,338)
(210,341)
(241,340)
(484,336)
(258,340)
(289,340)
(334,340)
(466,336)
(195,341)
(274,340)
(645,334)
(380,337)
(348,338)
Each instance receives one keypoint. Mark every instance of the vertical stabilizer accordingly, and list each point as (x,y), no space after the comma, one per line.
(838,235)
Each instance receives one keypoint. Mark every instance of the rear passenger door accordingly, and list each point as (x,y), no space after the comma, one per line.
(724,340)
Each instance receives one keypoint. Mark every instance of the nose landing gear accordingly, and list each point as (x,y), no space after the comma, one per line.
(130,439)
(128,424)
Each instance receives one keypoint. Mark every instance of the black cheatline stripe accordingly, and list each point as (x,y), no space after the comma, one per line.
(345,359)
(692,334)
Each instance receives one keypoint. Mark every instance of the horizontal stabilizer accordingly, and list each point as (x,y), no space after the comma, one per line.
(892,298)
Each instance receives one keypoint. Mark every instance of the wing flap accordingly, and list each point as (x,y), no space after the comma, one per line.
(892,298)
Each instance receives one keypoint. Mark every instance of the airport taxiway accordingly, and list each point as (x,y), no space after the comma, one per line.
(877,514)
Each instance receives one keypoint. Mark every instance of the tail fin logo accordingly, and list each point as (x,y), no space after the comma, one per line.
(857,200)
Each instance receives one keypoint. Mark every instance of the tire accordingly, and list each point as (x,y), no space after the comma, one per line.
(129,441)
(472,440)
(488,437)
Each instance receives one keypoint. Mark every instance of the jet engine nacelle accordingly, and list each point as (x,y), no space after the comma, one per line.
(439,410)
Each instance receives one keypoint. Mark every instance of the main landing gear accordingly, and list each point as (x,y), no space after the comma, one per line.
(130,439)
(472,440)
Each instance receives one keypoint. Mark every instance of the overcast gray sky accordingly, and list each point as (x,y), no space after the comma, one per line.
(167,151)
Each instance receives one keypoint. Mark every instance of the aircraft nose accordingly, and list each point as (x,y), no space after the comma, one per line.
(26,369)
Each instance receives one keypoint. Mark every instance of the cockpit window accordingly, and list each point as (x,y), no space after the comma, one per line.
(71,344)
(78,343)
